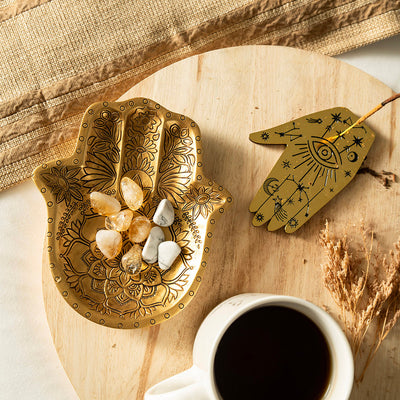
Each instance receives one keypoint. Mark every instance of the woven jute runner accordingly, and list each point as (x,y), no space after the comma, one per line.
(59,56)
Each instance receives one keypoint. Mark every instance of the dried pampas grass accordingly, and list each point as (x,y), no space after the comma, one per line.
(365,285)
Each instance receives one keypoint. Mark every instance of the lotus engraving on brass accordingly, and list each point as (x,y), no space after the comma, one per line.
(317,163)
(161,151)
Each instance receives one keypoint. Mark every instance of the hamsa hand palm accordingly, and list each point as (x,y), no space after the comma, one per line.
(315,166)
(161,151)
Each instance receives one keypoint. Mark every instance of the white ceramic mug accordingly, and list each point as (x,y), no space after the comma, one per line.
(197,383)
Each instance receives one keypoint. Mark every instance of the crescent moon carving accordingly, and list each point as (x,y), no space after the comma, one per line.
(269,186)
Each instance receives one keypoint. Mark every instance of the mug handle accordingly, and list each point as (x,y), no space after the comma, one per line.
(189,384)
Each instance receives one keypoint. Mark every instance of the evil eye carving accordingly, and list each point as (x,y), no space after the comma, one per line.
(324,152)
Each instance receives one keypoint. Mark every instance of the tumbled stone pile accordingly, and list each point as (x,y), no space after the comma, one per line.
(109,240)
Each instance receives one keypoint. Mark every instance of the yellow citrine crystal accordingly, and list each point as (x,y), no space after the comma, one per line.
(132,193)
(109,242)
(104,204)
(120,221)
(131,262)
(139,229)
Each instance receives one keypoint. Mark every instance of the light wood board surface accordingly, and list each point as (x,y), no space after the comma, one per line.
(230,93)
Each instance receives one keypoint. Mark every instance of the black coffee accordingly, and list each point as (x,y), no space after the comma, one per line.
(272,353)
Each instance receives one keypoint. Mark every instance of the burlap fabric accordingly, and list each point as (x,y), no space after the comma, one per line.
(59,56)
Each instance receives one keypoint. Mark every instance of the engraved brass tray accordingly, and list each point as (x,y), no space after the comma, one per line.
(162,152)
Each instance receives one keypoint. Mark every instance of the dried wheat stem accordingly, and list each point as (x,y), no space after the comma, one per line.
(366,290)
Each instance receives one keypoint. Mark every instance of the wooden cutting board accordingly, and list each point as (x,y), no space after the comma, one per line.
(231,93)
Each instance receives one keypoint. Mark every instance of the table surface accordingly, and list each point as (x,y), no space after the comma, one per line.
(29,367)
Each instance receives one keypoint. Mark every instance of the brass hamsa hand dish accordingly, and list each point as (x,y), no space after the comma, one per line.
(317,164)
(161,151)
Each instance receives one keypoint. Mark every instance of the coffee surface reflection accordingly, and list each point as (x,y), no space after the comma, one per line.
(272,352)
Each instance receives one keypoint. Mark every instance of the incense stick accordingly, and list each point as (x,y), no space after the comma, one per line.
(364,117)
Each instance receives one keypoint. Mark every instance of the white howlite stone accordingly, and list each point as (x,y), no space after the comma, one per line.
(150,249)
(167,253)
(164,215)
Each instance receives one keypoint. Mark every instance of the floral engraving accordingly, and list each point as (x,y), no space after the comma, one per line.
(176,167)
(144,120)
(201,201)
(103,152)
(63,184)
(141,145)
